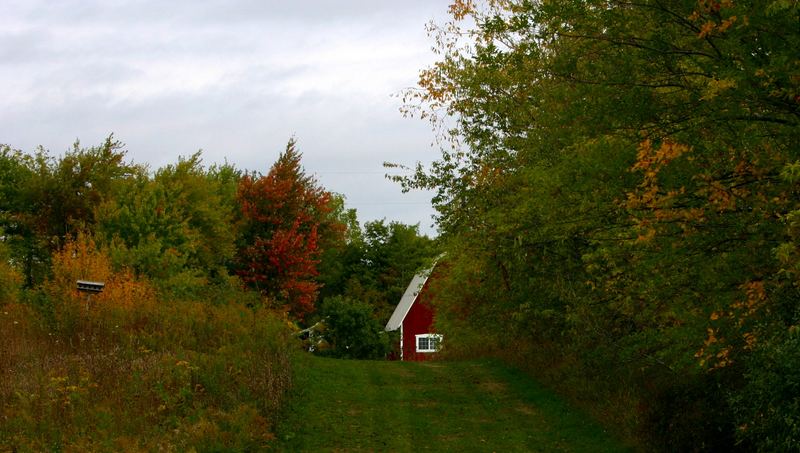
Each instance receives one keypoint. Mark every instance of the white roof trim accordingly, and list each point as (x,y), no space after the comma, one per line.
(407,300)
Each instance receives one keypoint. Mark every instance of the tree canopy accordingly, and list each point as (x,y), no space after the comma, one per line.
(285,217)
(621,183)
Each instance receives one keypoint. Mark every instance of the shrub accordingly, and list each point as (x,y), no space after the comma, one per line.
(124,304)
(352,330)
(767,408)
(10,279)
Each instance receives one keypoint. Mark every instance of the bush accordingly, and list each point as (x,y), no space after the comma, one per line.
(10,279)
(351,330)
(767,408)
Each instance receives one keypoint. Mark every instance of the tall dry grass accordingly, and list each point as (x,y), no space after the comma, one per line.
(123,371)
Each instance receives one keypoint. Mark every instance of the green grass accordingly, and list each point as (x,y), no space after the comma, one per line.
(347,405)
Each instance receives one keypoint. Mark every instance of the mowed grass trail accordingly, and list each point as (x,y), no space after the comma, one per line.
(349,405)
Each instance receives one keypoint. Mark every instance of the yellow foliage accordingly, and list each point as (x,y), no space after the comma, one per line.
(460,9)
(123,298)
(749,340)
(717,86)
(711,338)
(648,235)
(756,298)
(720,197)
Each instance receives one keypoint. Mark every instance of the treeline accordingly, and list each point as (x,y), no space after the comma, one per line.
(209,272)
(187,227)
(183,226)
(619,202)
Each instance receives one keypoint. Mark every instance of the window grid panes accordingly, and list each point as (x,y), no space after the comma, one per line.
(428,342)
(423,343)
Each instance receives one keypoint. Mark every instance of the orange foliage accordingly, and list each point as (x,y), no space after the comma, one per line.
(756,298)
(652,160)
(651,197)
(711,13)
(720,192)
(719,358)
(80,259)
(460,9)
(716,350)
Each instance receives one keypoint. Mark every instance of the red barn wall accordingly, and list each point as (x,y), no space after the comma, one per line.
(419,320)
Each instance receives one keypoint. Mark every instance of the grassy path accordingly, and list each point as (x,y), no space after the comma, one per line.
(341,405)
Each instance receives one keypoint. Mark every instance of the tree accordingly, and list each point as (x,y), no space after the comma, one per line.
(352,330)
(285,222)
(620,185)
(47,200)
(16,218)
(377,263)
(174,226)
(341,252)
(10,279)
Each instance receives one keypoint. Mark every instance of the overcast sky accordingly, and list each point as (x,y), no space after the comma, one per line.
(236,79)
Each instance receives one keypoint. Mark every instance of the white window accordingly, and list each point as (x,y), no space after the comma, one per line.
(428,342)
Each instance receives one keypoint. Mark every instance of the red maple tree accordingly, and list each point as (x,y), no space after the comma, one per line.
(284,213)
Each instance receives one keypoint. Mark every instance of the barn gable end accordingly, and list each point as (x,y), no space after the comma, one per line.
(414,317)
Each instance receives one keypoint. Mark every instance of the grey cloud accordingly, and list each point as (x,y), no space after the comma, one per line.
(231,12)
(236,79)
(23,46)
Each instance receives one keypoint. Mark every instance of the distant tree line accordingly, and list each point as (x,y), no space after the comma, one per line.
(187,227)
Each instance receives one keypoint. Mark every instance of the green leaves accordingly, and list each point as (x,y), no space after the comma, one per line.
(378,265)
(351,329)
(623,172)
(177,221)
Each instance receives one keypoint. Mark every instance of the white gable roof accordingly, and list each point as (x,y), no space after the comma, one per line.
(407,300)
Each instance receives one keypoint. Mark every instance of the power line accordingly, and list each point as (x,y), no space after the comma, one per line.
(378,203)
(355,172)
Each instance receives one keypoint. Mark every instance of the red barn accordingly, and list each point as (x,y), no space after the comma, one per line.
(414,317)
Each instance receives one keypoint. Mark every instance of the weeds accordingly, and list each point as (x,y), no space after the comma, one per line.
(126,372)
